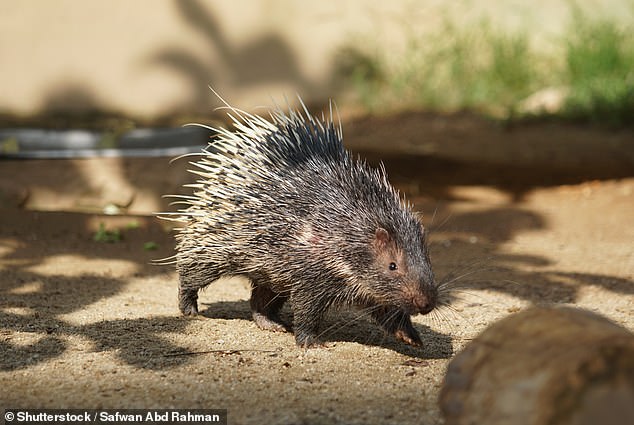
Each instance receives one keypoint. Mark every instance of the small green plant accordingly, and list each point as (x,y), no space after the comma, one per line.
(133,224)
(107,236)
(9,145)
(150,246)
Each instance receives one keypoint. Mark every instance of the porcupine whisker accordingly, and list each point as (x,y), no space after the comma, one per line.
(491,281)
(468,266)
(457,285)
(467,270)
(460,285)
(440,314)
(438,318)
(357,314)
(448,318)
(458,293)
(448,308)
(514,282)
(447,284)
(444,302)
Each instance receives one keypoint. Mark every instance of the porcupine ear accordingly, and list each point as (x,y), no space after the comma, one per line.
(382,239)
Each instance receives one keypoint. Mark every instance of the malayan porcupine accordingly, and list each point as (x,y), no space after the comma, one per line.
(281,202)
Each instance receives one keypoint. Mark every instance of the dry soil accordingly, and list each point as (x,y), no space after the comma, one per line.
(524,215)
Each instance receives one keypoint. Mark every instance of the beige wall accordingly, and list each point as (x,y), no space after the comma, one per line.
(153,57)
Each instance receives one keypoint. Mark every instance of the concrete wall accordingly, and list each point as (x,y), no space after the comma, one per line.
(149,58)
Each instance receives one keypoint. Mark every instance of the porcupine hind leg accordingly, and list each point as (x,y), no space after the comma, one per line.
(397,323)
(193,277)
(266,305)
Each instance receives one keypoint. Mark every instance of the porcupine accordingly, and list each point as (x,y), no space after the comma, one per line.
(282,202)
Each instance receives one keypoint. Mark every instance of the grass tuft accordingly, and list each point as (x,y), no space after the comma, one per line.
(600,71)
(485,69)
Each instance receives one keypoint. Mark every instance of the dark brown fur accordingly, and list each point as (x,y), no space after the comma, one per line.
(316,227)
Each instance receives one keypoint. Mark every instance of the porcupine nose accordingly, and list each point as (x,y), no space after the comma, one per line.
(425,302)
(419,297)
(422,305)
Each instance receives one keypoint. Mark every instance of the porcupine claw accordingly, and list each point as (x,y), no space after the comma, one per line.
(409,337)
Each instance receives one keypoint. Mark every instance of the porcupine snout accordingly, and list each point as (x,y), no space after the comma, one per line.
(420,297)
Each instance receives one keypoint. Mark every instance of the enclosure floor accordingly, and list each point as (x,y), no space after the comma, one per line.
(86,324)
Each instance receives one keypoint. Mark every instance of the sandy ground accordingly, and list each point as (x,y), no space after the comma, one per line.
(529,215)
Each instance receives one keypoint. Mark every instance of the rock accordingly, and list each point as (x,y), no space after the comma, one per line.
(543,366)
(549,100)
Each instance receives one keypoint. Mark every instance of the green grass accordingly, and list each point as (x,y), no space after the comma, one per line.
(477,68)
(599,67)
(486,69)
(107,235)
(481,69)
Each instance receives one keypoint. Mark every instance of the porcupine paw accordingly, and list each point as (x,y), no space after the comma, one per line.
(189,309)
(308,341)
(408,336)
(188,302)
(269,323)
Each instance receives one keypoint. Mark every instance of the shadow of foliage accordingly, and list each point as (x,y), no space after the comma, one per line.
(34,302)
(265,60)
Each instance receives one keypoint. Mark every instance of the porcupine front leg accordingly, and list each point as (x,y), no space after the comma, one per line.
(397,323)
(266,305)
(193,277)
(308,312)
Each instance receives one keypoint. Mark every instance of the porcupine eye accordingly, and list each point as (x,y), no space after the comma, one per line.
(393,266)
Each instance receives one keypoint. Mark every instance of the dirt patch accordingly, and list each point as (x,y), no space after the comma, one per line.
(521,216)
